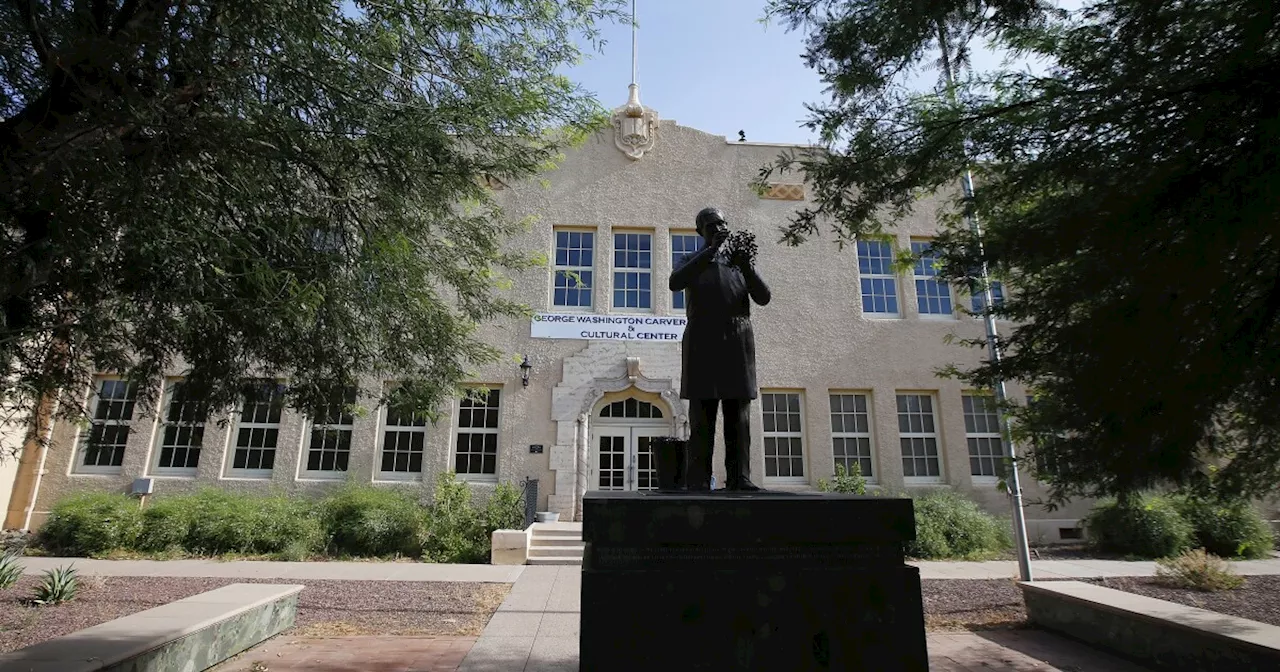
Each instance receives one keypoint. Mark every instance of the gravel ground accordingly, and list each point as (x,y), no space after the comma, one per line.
(326,608)
(1257,600)
(972,604)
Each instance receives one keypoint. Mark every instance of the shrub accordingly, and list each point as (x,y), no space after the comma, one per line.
(57,586)
(1148,526)
(949,526)
(456,532)
(1228,529)
(225,522)
(166,524)
(93,523)
(851,484)
(10,570)
(363,520)
(1199,570)
(504,510)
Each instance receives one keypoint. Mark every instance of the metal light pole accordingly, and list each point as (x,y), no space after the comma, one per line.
(1014,481)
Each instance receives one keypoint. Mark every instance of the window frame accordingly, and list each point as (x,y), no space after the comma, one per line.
(557,268)
(803,478)
(870,435)
(163,423)
(419,423)
(891,276)
(997,461)
(495,431)
(233,472)
(975,299)
(640,271)
(682,233)
(78,466)
(925,277)
(308,440)
(936,435)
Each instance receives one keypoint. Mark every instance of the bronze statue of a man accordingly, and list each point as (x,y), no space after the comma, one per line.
(718,353)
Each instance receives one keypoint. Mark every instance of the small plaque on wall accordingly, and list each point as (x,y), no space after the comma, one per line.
(535,448)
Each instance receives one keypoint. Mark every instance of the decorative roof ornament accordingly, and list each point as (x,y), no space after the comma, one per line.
(635,127)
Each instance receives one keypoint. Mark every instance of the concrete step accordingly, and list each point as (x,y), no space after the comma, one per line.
(553,561)
(549,539)
(556,551)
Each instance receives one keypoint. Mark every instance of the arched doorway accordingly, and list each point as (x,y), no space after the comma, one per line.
(621,431)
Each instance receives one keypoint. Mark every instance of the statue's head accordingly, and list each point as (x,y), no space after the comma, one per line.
(709,219)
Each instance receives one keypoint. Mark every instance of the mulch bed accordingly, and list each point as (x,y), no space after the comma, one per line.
(325,608)
(1257,600)
(972,604)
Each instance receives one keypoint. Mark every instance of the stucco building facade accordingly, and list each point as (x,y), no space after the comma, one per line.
(847,354)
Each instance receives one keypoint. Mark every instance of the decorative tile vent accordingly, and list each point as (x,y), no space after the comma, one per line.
(784,192)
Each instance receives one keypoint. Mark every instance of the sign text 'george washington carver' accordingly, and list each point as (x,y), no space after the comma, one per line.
(586,326)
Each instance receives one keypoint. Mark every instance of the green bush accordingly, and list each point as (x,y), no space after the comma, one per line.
(850,484)
(504,510)
(166,524)
(456,532)
(1148,526)
(1227,529)
(92,523)
(949,526)
(362,520)
(226,522)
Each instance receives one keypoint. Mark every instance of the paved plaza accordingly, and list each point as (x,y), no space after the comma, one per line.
(536,627)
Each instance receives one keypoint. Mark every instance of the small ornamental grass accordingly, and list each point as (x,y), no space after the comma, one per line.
(57,586)
(1197,570)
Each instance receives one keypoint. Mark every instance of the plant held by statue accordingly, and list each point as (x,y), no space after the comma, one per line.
(741,247)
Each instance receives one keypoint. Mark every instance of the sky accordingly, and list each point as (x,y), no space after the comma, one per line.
(712,65)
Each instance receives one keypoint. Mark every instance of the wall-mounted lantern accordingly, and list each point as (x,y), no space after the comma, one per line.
(525,368)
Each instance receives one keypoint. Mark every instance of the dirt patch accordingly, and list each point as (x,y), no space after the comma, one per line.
(972,604)
(1257,600)
(327,608)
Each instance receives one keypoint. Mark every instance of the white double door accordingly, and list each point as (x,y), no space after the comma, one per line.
(623,457)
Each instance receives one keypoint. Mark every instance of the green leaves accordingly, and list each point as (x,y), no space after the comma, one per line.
(1128,192)
(272,186)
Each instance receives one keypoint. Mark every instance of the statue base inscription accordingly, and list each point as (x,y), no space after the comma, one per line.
(735,581)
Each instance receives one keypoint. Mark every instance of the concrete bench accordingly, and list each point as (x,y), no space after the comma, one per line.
(1167,635)
(189,635)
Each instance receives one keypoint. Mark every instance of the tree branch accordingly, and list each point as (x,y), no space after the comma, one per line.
(38,42)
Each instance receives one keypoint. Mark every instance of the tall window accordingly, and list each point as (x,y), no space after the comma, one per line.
(851,433)
(329,450)
(476,451)
(575,254)
(402,443)
(879,283)
(109,429)
(783,436)
(933,297)
(633,271)
(997,298)
(682,245)
(259,429)
(918,434)
(182,432)
(982,433)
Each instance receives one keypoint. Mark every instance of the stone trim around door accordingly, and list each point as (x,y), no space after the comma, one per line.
(572,409)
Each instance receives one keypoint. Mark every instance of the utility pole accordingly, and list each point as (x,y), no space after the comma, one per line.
(1014,480)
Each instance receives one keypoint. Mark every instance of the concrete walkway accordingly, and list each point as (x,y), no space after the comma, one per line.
(419,571)
(536,630)
(1070,569)
(256,569)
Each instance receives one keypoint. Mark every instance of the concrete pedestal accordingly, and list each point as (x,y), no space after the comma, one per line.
(767,581)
